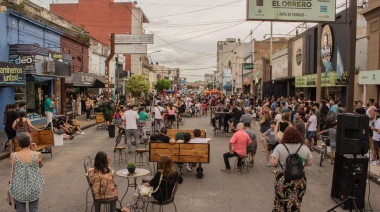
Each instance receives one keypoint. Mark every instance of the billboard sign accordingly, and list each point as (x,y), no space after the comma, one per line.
(291,10)
(130,49)
(128,39)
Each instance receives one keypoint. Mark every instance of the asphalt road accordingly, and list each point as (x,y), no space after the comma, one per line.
(66,186)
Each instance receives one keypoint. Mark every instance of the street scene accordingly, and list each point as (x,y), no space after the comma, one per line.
(245,105)
(65,183)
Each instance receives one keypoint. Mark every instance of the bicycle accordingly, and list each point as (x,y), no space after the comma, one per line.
(323,152)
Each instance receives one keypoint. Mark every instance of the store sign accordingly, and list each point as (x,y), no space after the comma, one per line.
(11,74)
(27,61)
(327,43)
(138,39)
(247,65)
(299,57)
(310,81)
(369,77)
(56,56)
(87,80)
(291,10)
(130,49)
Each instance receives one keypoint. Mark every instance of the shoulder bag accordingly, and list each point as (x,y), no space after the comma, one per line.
(148,190)
(11,201)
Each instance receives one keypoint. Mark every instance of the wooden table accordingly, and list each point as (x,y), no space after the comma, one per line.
(139,172)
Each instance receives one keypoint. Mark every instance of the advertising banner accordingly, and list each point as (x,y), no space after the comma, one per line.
(11,74)
(369,77)
(310,81)
(291,10)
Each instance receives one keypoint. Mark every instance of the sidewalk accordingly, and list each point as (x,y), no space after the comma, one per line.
(39,124)
(374,171)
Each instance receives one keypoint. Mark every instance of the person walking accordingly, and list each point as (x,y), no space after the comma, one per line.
(289,193)
(264,126)
(49,108)
(88,108)
(10,116)
(132,119)
(23,124)
(26,180)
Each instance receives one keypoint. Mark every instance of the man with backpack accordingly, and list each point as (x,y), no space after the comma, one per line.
(290,183)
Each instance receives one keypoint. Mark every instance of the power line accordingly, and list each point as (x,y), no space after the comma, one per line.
(208,8)
(187,5)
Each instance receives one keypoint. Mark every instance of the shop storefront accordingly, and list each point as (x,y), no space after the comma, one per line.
(43,69)
(81,83)
(332,85)
(371,79)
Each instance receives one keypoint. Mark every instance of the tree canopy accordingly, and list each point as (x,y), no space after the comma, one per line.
(137,85)
(162,84)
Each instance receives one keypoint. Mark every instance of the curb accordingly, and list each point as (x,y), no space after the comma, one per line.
(6,155)
(372,176)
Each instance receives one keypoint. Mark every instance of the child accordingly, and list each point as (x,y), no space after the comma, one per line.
(332,137)
(271,140)
(204,108)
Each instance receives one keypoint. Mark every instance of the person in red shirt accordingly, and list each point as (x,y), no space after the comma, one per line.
(238,147)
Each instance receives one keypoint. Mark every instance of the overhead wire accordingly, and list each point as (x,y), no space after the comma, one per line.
(208,8)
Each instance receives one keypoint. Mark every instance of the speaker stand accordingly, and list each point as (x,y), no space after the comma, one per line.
(350,198)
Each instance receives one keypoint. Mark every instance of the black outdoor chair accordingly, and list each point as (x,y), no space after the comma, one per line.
(165,199)
(88,163)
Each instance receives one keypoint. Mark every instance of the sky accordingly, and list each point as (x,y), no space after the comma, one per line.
(186,32)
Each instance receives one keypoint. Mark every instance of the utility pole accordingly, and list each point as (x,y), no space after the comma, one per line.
(107,72)
(319,68)
(351,56)
(270,56)
(242,80)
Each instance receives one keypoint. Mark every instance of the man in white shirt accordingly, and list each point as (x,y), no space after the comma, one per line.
(197,139)
(132,119)
(158,110)
(311,127)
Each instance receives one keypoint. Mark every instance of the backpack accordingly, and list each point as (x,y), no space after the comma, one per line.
(294,166)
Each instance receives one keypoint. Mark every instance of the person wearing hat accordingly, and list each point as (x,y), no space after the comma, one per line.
(332,137)
(376,137)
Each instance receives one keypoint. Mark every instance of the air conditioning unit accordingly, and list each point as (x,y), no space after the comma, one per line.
(48,67)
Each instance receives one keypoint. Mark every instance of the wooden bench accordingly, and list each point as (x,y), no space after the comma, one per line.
(43,138)
(100,121)
(172,132)
(181,153)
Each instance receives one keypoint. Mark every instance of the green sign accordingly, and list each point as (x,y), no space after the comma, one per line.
(248,66)
(291,10)
(310,81)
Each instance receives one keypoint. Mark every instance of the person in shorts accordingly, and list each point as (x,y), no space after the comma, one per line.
(311,127)
(271,140)
(332,137)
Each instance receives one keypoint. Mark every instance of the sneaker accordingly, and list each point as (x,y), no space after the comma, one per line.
(78,132)
(226,170)
(376,163)
(268,165)
(82,133)
(189,168)
(72,137)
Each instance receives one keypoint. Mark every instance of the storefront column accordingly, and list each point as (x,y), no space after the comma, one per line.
(63,95)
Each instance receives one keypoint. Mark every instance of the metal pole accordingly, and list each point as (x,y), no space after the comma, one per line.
(242,80)
(270,56)
(117,81)
(351,56)
(319,68)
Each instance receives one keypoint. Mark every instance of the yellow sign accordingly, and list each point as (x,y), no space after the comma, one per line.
(310,81)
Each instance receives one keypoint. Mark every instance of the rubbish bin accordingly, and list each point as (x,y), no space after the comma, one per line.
(111,131)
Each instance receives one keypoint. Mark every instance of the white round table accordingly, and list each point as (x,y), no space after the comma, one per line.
(139,172)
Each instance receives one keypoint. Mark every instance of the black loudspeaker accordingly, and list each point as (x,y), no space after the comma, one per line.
(352,134)
(349,173)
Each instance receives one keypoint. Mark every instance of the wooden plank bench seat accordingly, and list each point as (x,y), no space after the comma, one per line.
(181,153)
(172,132)
(44,139)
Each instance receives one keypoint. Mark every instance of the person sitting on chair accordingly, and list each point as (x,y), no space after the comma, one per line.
(162,137)
(102,180)
(197,140)
(166,186)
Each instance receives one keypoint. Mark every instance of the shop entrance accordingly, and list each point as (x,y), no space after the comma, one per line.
(42,93)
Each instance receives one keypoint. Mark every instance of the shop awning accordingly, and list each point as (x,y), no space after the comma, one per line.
(39,78)
(227,87)
(81,79)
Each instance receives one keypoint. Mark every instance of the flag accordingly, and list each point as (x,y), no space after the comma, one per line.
(328,65)
(256,80)
(339,64)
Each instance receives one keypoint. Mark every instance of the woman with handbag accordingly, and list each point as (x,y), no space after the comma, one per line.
(281,126)
(26,181)
(289,192)
(102,180)
(162,186)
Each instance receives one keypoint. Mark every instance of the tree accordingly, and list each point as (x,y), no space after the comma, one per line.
(162,84)
(137,85)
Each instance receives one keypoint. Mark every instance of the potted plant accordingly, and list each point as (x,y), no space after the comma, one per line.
(131,167)
(107,108)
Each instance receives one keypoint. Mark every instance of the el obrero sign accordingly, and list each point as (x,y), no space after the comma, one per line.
(291,10)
